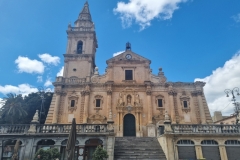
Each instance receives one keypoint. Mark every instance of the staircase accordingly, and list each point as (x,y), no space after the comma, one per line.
(146,148)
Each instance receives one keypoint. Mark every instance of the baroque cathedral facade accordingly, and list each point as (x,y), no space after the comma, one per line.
(126,109)
(128,94)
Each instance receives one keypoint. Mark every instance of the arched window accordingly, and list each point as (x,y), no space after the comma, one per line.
(45,144)
(185,142)
(8,149)
(63,150)
(79,47)
(209,142)
(232,142)
(186,149)
(210,149)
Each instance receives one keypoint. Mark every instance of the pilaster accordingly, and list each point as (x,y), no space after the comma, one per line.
(56,107)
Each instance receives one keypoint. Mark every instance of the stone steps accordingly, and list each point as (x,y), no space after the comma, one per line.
(146,148)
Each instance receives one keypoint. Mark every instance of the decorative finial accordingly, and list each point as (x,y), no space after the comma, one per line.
(96,71)
(128,46)
(35,118)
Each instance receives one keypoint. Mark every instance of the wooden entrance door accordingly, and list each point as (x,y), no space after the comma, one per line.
(129,125)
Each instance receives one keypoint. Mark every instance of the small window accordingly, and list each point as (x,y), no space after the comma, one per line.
(185,105)
(72,103)
(79,47)
(98,102)
(160,104)
(74,69)
(128,75)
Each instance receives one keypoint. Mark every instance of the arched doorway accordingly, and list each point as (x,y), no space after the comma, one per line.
(129,125)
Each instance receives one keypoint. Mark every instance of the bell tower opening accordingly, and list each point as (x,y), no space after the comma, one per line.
(79,47)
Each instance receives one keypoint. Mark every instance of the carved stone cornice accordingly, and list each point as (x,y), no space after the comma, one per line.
(148,92)
(188,109)
(109,92)
(60,93)
(197,93)
(172,93)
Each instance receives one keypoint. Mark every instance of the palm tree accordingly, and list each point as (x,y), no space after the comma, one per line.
(12,107)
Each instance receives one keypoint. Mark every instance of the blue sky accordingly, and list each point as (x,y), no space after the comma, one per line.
(189,39)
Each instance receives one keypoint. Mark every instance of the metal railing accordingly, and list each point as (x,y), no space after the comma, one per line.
(206,129)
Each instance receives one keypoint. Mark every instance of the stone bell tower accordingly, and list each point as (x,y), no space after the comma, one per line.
(81,47)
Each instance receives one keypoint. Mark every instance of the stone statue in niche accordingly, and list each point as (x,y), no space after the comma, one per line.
(137,100)
(120,100)
(129,98)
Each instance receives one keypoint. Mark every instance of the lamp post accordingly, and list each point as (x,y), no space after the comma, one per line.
(42,93)
(236,104)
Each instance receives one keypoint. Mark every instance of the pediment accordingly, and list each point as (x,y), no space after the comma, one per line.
(133,57)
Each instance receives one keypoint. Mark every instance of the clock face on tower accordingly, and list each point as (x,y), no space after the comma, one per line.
(128,56)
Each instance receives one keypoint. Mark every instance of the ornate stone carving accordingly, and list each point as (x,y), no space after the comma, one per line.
(186,98)
(109,90)
(87,90)
(149,90)
(72,101)
(162,78)
(97,118)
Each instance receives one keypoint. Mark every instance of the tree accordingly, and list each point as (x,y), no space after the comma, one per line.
(49,154)
(99,154)
(29,104)
(12,109)
(32,102)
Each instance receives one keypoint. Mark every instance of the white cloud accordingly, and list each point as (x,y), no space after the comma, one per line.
(236,18)
(226,77)
(1,103)
(39,79)
(23,89)
(48,83)
(144,11)
(47,58)
(24,64)
(117,53)
(60,73)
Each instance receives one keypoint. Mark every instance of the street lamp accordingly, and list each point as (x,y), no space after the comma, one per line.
(236,104)
(41,92)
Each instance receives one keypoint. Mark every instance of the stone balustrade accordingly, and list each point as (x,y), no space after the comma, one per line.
(65,128)
(205,129)
(14,129)
(72,80)
(81,29)
(54,128)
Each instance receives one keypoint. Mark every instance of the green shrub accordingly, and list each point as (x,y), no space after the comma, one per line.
(99,154)
(49,154)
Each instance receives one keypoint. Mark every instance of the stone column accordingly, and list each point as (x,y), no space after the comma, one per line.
(198,149)
(222,150)
(137,125)
(86,105)
(56,108)
(149,104)
(201,107)
(171,103)
(109,103)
